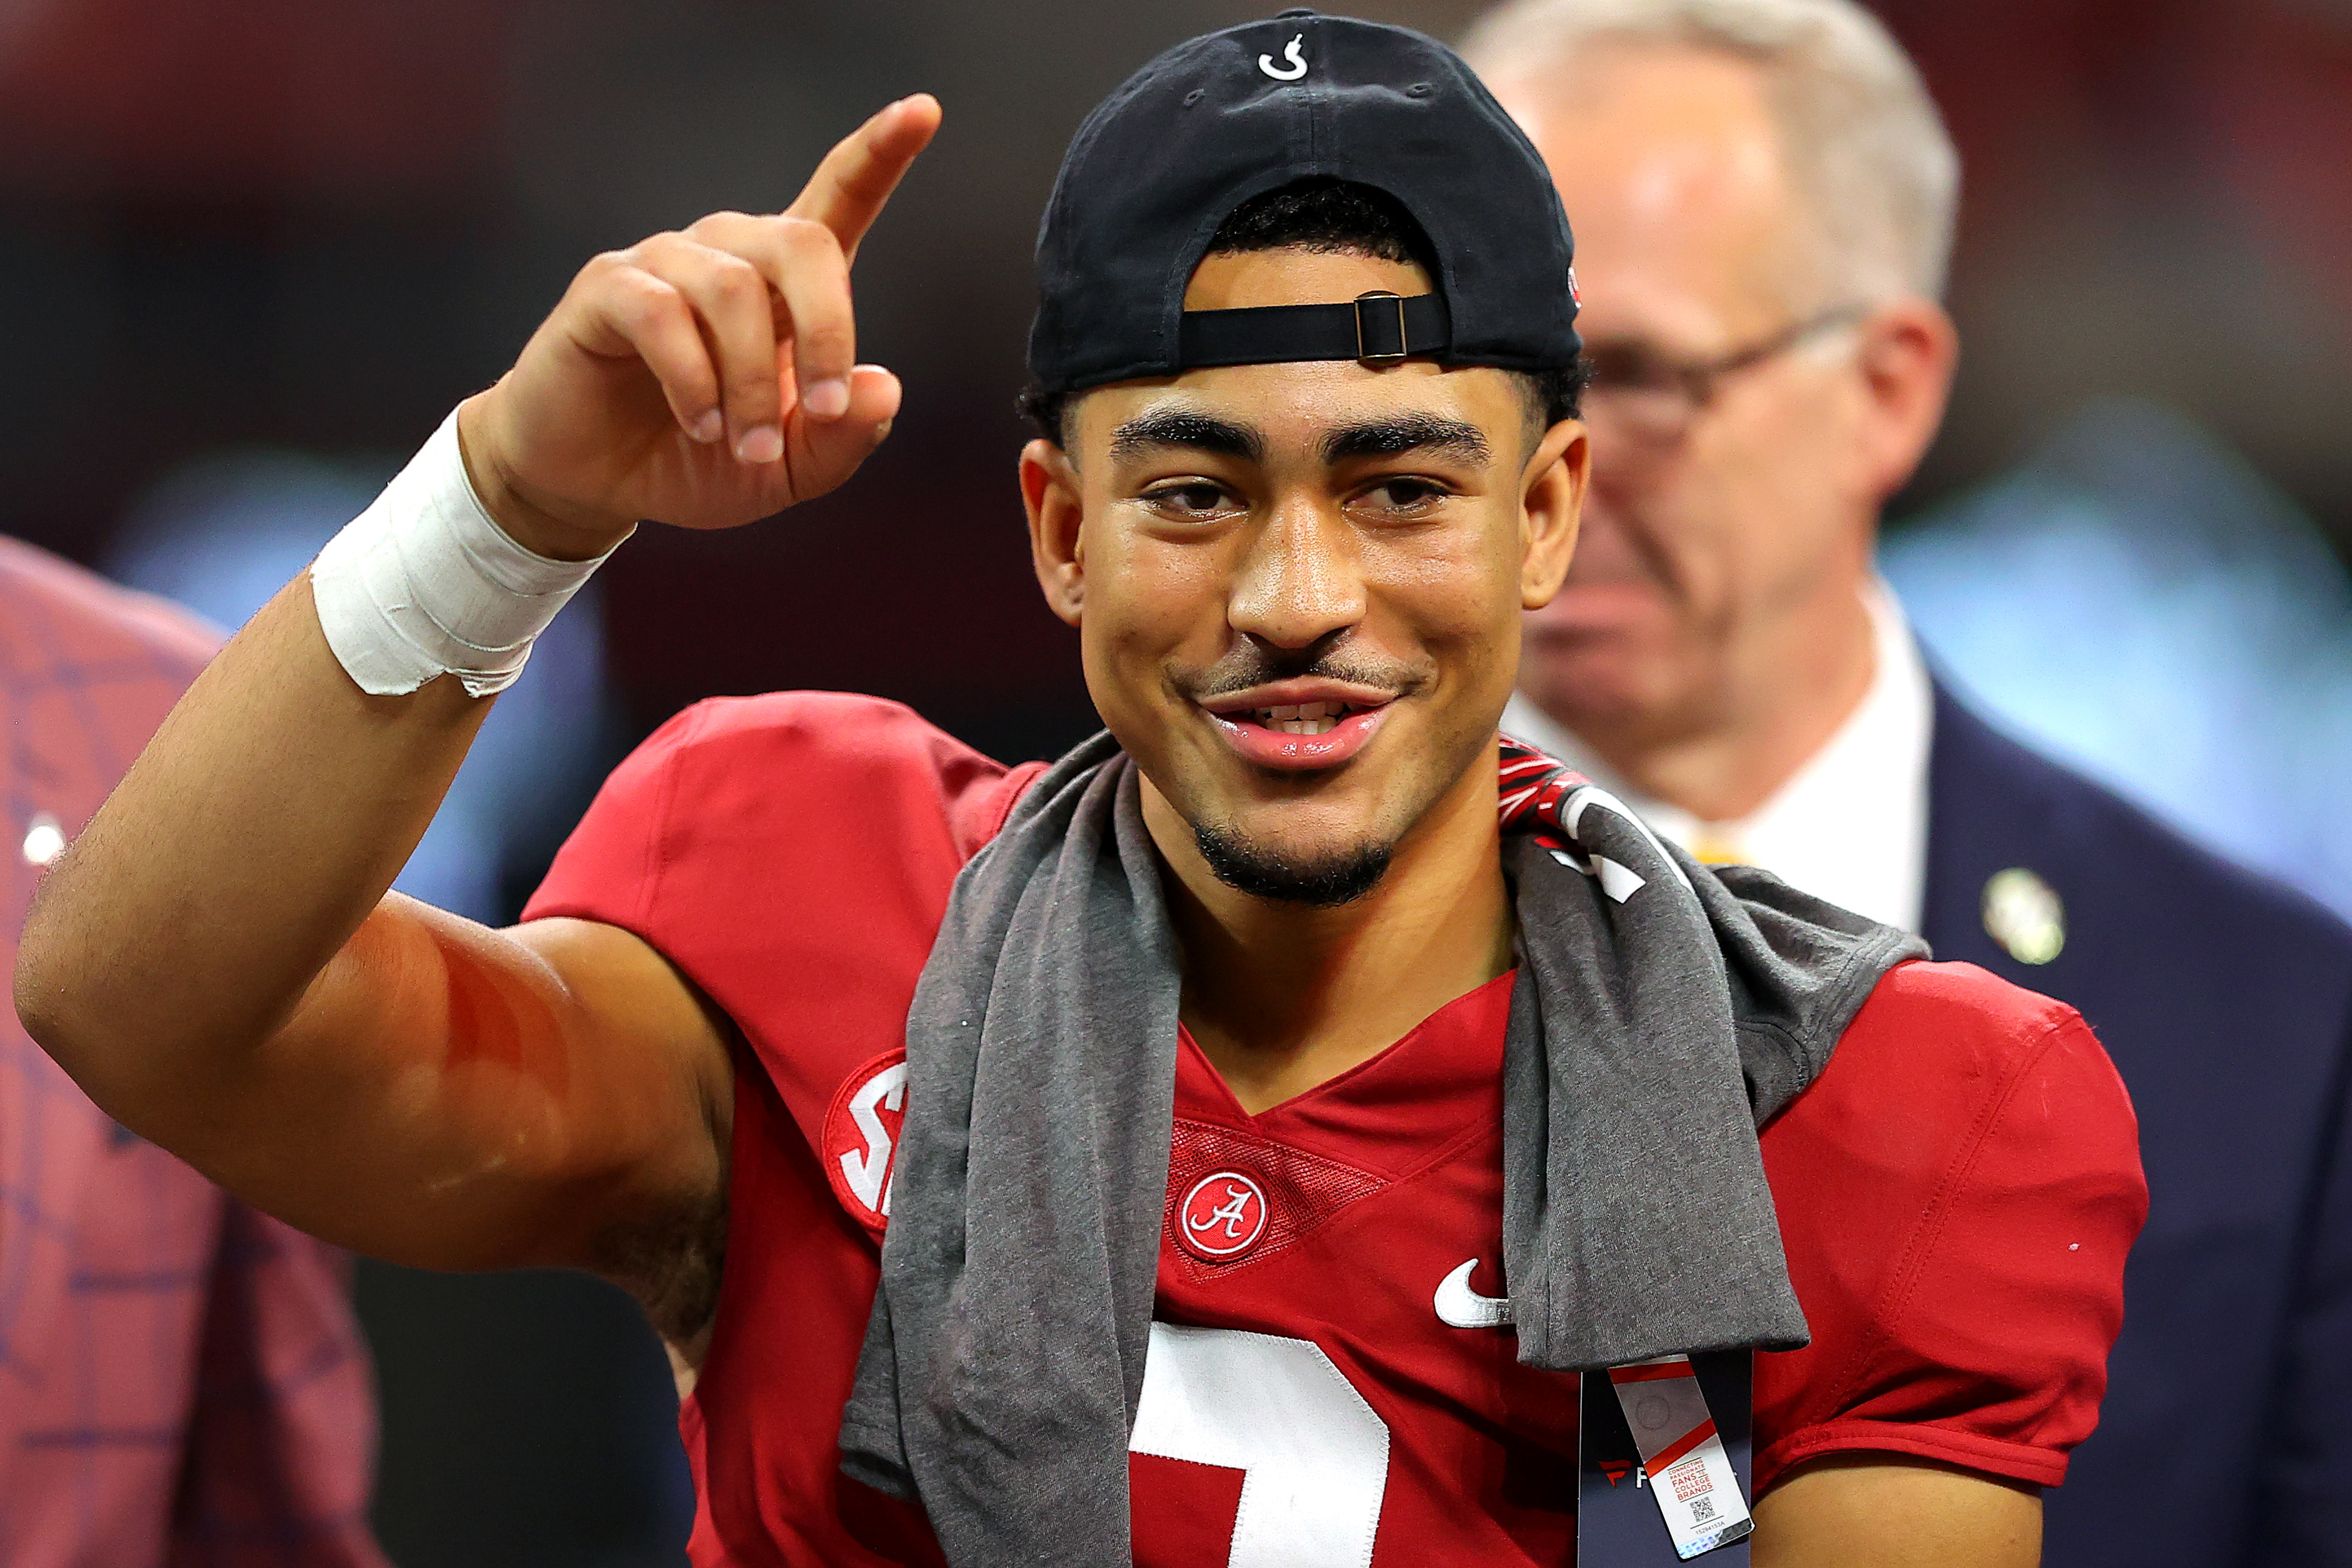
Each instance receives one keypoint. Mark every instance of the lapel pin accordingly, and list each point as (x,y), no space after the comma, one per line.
(2025,915)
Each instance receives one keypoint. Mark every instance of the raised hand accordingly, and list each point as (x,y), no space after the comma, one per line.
(705,377)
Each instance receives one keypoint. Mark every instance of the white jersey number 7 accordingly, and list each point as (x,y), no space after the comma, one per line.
(1314,1456)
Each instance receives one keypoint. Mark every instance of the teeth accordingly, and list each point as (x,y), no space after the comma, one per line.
(1302,718)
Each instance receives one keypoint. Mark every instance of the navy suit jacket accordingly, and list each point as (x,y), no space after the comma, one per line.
(2226,1002)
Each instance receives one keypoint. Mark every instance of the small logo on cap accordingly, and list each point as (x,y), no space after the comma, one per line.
(1291,52)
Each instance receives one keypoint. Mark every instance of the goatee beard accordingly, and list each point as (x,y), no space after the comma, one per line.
(1323,883)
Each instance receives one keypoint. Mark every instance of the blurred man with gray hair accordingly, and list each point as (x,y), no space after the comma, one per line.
(1764,195)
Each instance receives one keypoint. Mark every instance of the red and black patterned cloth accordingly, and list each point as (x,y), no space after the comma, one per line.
(182,1382)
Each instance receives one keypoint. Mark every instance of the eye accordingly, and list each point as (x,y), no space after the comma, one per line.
(1629,367)
(1189,498)
(1403,496)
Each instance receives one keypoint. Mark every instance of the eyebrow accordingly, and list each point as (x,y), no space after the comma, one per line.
(1407,433)
(1374,438)
(1200,431)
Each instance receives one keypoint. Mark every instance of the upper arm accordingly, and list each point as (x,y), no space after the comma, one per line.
(1878,1511)
(468,1098)
(1957,1194)
(562,1091)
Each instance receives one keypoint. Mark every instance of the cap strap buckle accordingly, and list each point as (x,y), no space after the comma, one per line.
(1377,329)
(1380,337)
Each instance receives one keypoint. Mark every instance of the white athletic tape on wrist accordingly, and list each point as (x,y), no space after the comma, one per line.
(422,583)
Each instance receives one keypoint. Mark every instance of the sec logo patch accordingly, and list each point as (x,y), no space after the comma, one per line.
(861,1137)
(1222,1217)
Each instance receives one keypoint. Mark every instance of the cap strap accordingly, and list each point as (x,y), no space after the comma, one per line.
(1376,328)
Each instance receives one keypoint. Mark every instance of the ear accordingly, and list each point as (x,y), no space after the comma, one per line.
(1908,351)
(1049,488)
(1551,508)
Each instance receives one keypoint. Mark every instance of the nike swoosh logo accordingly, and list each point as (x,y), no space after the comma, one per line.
(1459,1306)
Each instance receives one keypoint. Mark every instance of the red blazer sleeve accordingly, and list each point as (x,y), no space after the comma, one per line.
(1957,1196)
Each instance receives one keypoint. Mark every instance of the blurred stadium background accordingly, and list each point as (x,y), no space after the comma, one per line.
(251,250)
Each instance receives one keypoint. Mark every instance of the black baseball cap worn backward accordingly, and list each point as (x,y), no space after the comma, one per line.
(1221,119)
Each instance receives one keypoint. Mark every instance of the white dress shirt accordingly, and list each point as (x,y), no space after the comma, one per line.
(1851,824)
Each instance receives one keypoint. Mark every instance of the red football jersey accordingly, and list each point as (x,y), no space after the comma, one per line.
(1955,1196)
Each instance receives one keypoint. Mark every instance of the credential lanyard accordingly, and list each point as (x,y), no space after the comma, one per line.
(1660,1435)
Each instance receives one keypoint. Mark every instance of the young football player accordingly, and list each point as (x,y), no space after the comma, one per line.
(1225,1145)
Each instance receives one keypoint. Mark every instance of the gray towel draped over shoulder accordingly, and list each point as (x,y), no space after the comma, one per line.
(1662,1012)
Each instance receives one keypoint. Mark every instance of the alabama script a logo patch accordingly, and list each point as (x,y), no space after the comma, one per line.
(1222,1217)
(861,1137)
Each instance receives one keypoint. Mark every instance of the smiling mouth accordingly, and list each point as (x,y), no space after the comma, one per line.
(1322,733)
(1302,718)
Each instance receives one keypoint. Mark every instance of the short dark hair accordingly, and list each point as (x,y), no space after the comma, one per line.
(1337,217)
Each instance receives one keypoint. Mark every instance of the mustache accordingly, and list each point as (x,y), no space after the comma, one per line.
(1251,665)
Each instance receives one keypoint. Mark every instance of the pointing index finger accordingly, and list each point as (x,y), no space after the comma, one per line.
(850,187)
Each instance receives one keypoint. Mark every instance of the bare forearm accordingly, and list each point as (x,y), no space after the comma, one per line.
(1890,1510)
(256,830)
(215,961)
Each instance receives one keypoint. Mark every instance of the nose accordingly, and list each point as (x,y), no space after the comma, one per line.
(1298,580)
